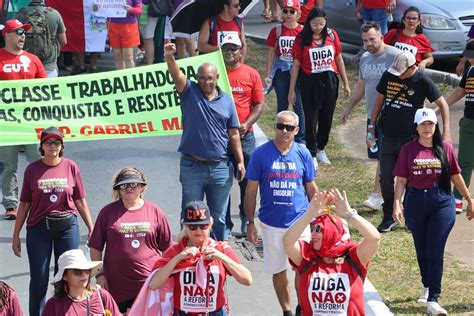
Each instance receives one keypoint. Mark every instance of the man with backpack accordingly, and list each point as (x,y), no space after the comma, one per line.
(47,34)
(216,27)
(16,64)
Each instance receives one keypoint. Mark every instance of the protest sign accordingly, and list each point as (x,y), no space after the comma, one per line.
(126,103)
(110,8)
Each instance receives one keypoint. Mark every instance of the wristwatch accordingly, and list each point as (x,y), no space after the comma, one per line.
(350,214)
(250,221)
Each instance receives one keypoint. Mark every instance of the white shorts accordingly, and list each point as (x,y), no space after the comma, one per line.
(148,31)
(275,259)
(168,29)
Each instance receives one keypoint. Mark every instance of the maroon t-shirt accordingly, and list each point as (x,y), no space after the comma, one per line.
(135,240)
(64,306)
(51,189)
(420,166)
(12,304)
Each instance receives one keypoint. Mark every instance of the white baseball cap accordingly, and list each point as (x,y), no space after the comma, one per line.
(401,63)
(75,259)
(425,114)
(231,39)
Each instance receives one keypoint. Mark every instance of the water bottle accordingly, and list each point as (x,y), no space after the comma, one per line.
(372,142)
(390,17)
(268,86)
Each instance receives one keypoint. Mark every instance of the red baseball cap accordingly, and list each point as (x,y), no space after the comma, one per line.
(292,4)
(13,25)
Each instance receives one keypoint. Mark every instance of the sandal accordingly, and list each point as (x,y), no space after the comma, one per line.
(271,20)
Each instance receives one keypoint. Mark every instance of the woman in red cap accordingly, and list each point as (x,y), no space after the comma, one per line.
(51,197)
(198,266)
(332,268)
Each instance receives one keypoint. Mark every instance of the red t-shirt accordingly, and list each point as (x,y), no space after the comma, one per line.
(316,58)
(247,90)
(51,189)
(22,66)
(331,289)
(135,239)
(305,8)
(375,4)
(419,165)
(417,45)
(223,28)
(64,306)
(284,44)
(187,295)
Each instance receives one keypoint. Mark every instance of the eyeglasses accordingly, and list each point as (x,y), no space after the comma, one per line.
(79,272)
(316,228)
(228,48)
(288,128)
(201,227)
(19,32)
(236,6)
(126,185)
(411,18)
(52,142)
(286,11)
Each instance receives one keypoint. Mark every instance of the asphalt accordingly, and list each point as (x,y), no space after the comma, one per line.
(98,159)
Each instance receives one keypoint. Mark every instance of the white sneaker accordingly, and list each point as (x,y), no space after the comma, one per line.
(374,201)
(424,295)
(315,163)
(433,308)
(321,155)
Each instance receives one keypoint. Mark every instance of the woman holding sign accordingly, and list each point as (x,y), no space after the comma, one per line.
(332,268)
(317,62)
(198,266)
(410,37)
(134,233)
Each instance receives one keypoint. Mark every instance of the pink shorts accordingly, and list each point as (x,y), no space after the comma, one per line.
(124,35)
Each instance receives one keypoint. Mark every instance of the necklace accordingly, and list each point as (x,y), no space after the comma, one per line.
(76,299)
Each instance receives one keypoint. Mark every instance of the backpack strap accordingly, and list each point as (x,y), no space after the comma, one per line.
(309,265)
(278,34)
(353,265)
(213,20)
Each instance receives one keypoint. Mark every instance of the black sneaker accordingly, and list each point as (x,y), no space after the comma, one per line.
(387,225)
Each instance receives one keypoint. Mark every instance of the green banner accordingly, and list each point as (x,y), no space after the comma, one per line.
(126,103)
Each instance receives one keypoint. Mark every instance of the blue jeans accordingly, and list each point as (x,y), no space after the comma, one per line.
(430,216)
(378,16)
(248,146)
(212,180)
(281,84)
(39,244)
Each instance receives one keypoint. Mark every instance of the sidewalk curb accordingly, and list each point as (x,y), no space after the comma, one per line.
(374,305)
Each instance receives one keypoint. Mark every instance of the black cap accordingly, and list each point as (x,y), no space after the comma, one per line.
(196,213)
(51,132)
(128,175)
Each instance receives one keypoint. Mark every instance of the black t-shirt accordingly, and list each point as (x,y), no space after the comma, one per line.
(467,83)
(398,117)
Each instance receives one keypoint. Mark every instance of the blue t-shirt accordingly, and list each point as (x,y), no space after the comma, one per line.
(281,179)
(205,123)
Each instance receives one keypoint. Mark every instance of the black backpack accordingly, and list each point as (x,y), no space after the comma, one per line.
(38,40)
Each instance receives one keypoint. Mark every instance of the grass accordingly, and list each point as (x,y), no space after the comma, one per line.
(394,271)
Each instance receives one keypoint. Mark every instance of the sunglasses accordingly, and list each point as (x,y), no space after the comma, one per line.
(54,142)
(316,228)
(19,32)
(126,185)
(286,11)
(288,128)
(78,272)
(201,227)
(230,48)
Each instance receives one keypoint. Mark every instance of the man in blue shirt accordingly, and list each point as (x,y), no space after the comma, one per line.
(284,172)
(210,126)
